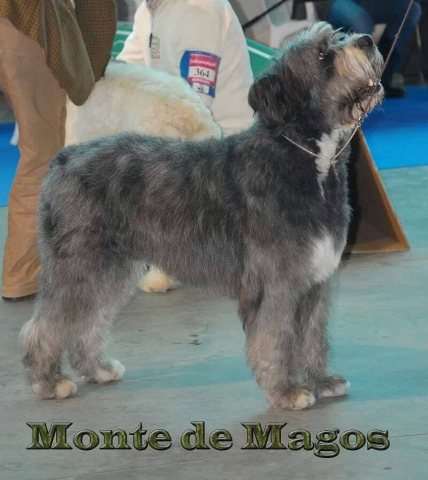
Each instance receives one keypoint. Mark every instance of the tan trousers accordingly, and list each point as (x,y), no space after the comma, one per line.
(39,107)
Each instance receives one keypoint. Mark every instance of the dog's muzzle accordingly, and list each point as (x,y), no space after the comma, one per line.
(374,86)
(366,44)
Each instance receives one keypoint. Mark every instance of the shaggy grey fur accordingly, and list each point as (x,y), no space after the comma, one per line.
(252,216)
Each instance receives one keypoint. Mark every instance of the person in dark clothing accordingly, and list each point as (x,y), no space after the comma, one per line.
(360,16)
(423,28)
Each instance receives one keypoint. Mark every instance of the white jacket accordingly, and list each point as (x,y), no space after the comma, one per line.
(202,41)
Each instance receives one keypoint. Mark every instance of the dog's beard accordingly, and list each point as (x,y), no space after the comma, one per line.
(358,80)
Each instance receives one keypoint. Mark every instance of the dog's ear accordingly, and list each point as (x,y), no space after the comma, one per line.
(267,97)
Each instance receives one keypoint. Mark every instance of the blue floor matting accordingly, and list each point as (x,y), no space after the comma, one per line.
(397,136)
(9,156)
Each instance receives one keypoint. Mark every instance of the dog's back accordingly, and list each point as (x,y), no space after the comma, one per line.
(142,196)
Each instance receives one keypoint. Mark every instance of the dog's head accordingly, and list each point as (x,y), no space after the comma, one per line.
(322,77)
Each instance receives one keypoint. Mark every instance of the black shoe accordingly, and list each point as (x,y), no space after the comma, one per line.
(19,299)
(394,92)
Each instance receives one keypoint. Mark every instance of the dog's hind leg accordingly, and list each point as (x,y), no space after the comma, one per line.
(312,316)
(271,340)
(76,303)
(44,339)
(86,347)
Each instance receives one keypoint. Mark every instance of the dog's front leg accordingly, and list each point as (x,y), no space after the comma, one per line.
(311,319)
(271,343)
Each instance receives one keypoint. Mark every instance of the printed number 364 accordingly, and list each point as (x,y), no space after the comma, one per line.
(202,72)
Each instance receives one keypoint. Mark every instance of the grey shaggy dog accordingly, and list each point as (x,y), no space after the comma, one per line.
(253,216)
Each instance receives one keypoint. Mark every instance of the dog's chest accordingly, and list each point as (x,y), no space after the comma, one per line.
(325,258)
(327,145)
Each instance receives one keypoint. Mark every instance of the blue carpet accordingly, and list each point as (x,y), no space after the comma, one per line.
(397,134)
(9,156)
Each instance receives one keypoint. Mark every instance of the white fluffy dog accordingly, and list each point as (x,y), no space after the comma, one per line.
(137,98)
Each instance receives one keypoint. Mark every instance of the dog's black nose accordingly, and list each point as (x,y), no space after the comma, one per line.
(364,42)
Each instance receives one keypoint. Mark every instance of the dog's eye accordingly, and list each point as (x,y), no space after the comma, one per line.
(322,55)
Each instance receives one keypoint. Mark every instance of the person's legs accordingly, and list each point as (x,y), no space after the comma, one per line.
(39,107)
(423,28)
(348,15)
(392,13)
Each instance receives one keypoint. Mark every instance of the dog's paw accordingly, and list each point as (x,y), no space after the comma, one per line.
(109,372)
(62,388)
(156,281)
(333,386)
(292,399)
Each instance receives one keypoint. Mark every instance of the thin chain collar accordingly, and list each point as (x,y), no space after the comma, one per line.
(332,160)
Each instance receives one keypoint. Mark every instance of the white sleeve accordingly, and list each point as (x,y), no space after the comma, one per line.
(200,31)
(133,49)
(212,29)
